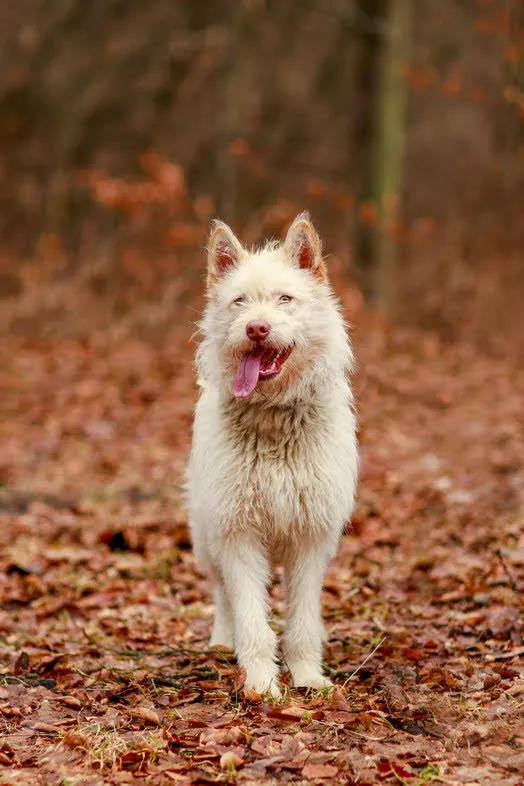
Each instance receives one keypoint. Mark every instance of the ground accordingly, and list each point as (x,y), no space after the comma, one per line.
(105,676)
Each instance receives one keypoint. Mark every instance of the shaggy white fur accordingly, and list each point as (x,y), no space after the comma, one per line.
(273,470)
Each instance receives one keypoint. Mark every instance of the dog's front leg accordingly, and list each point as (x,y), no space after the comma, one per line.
(222,633)
(305,567)
(245,571)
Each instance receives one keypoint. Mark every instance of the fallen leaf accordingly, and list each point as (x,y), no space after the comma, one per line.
(21,664)
(47,728)
(396,697)
(313,771)
(290,712)
(338,700)
(229,736)
(146,714)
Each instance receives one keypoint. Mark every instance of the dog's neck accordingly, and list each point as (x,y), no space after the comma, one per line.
(261,415)
(274,429)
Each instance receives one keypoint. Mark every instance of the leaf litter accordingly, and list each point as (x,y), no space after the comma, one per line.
(105,674)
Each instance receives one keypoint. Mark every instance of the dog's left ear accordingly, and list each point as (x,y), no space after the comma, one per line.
(303,246)
(224,251)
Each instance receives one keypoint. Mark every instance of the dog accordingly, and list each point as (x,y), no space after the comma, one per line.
(273,465)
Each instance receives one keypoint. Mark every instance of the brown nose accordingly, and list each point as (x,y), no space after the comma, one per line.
(257,330)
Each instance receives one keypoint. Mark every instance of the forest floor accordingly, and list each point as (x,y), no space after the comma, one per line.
(105,677)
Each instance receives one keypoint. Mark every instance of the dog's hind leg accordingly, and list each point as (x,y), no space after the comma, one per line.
(304,573)
(222,633)
(245,571)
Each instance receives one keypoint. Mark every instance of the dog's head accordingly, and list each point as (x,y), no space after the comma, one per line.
(272,328)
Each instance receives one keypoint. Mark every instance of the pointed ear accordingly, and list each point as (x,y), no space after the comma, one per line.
(304,248)
(224,251)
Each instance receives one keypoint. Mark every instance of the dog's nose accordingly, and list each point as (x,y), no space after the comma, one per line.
(257,330)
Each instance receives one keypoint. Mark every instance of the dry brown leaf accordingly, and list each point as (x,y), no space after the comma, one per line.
(339,700)
(313,771)
(47,728)
(396,697)
(146,714)
(229,736)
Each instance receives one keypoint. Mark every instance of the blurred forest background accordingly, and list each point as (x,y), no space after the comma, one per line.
(125,126)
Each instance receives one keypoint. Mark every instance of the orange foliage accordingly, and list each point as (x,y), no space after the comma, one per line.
(418,77)
(160,219)
(452,85)
(342,201)
(166,187)
(204,207)
(238,148)
(367,212)
(512,54)
(477,95)
(184,235)
(484,25)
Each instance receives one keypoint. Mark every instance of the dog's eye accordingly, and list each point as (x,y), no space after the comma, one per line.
(239,301)
(285,299)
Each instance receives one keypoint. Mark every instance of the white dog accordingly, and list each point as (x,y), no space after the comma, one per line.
(273,466)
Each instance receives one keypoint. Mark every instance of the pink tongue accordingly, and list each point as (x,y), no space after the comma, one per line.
(248,370)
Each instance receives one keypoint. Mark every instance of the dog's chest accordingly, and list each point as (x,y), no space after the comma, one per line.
(282,474)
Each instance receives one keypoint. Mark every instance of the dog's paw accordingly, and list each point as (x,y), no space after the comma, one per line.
(317,682)
(263,683)
(305,676)
(222,641)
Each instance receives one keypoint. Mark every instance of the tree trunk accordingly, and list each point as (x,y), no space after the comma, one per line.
(368,53)
(377,248)
(234,123)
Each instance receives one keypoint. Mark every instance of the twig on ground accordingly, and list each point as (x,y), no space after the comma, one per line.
(366,659)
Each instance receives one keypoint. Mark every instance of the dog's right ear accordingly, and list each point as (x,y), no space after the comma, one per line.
(224,251)
(304,248)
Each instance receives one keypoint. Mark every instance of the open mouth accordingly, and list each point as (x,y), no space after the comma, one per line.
(259,364)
